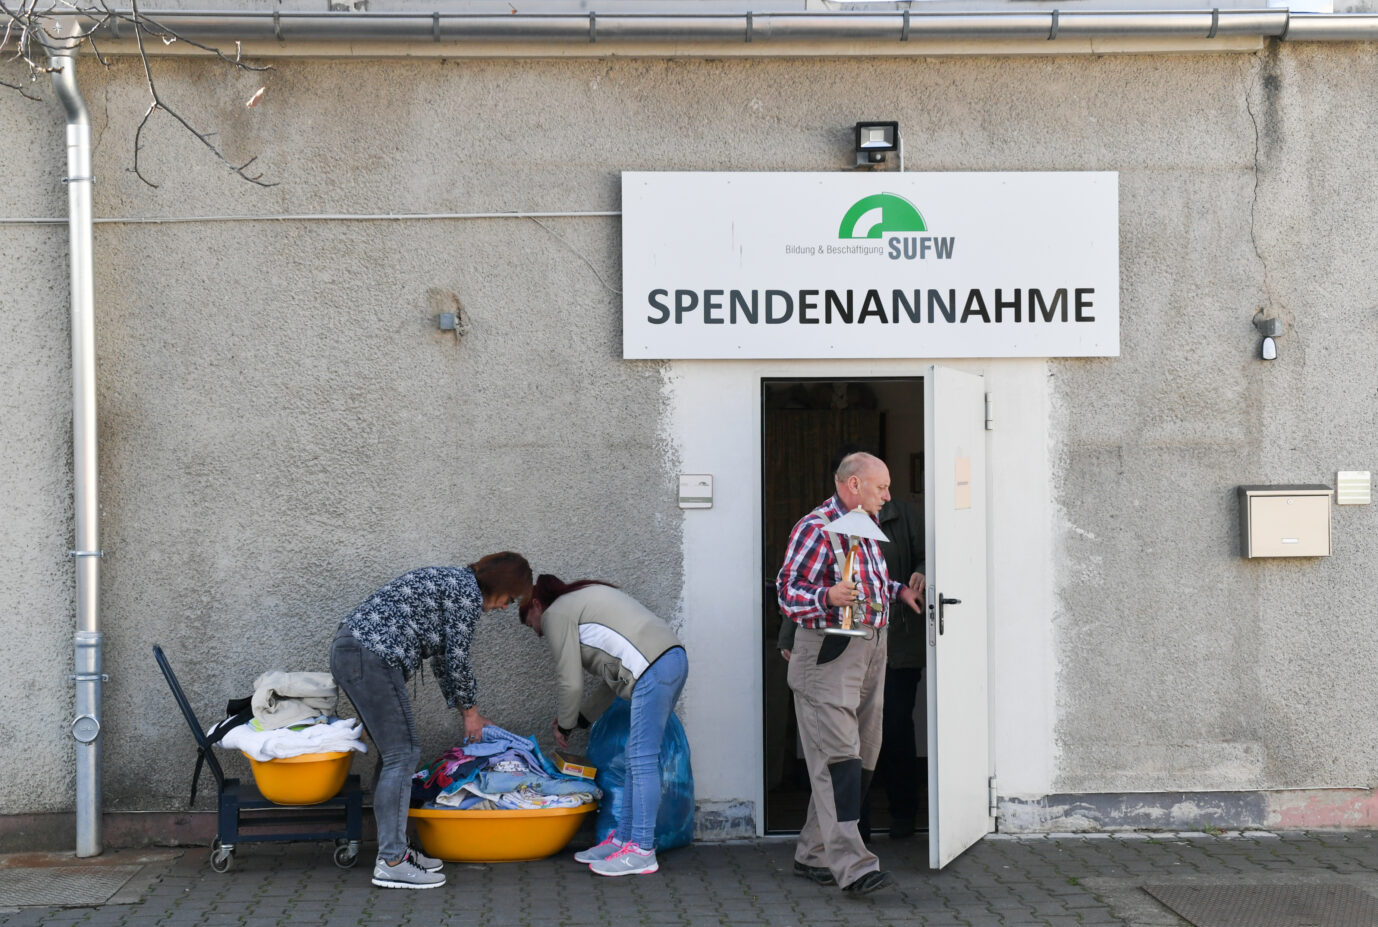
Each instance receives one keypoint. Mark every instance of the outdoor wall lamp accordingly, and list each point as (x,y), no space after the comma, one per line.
(1269,329)
(874,139)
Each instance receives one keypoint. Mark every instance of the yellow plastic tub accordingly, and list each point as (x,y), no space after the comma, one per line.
(497,836)
(301,780)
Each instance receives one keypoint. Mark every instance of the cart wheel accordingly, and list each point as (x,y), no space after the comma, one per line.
(347,855)
(222,858)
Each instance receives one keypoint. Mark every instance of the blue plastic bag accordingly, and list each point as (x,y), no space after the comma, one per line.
(608,752)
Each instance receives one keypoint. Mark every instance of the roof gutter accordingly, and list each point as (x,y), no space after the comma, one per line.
(833,33)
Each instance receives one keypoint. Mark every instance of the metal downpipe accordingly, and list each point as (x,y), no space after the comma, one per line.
(88,677)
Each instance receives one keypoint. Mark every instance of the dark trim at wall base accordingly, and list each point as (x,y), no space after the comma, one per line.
(21,833)
(55,833)
(724,820)
(1168,811)
(1278,809)
(1320,809)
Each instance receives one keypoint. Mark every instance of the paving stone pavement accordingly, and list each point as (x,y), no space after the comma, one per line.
(1055,881)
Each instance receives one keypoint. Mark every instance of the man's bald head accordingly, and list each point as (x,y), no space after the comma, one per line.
(863,479)
(854,464)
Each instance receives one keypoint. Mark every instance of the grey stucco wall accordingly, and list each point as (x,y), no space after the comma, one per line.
(283,428)
(1181,663)
(35,483)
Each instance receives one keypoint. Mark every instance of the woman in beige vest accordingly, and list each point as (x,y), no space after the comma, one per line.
(594,626)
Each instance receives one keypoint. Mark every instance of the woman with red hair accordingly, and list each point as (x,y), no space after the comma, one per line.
(592,625)
(426,614)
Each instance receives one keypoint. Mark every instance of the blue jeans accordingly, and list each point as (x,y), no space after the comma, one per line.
(653,698)
(379,694)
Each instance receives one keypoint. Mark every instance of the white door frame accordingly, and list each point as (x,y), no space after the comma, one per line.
(713,425)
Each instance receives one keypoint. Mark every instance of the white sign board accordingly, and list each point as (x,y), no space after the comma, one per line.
(882,265)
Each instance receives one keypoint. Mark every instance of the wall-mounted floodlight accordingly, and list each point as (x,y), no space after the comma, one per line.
(873,140)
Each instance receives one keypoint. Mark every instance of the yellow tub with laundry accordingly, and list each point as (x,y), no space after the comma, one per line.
(308,779)
(497,836)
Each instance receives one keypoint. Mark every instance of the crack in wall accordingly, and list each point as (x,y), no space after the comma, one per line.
(1256,78)
(1265,83)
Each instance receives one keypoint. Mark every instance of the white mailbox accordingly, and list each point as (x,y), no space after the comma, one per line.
(1284,521)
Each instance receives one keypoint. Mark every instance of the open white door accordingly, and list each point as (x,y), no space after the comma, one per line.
(958,701)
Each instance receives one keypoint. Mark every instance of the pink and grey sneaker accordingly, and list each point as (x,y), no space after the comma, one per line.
(629,860)
(601,851)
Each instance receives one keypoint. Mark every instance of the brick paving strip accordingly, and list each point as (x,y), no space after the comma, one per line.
(1005,881)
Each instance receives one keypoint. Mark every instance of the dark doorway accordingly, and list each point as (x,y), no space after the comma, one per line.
(803,422)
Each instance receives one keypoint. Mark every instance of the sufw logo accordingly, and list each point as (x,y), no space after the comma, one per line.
(873,216)
(891,217)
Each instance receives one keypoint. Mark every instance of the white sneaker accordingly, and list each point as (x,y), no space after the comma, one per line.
(602,851)
(405,874)
(630,860)
(422,861)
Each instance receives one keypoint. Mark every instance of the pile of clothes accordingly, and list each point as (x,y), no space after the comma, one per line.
(501,771)
(289,714)
(327,735)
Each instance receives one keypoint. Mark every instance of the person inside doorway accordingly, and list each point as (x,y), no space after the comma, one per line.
(897,770)
(838,681)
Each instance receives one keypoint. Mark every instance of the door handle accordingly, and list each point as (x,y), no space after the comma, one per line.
(944,600)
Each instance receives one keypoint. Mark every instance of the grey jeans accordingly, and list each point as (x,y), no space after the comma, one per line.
(379,694)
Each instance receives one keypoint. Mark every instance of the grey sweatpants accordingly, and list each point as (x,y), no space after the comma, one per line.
(838,704)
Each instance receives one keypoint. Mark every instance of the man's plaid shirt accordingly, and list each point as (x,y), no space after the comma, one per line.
(811,568)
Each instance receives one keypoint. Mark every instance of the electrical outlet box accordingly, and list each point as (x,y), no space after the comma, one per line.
(1284,521)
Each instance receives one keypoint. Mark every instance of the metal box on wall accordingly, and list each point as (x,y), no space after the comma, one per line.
(1284,521)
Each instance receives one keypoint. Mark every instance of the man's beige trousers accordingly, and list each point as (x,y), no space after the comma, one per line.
(838,698)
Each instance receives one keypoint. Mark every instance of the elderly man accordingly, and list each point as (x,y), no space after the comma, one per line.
(838,681)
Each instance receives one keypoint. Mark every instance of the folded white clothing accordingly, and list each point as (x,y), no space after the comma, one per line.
(337,736)
(281,699)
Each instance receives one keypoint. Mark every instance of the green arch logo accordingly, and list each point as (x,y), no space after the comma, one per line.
(875,215)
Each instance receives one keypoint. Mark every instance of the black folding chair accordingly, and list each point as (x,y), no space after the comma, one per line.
(243,810)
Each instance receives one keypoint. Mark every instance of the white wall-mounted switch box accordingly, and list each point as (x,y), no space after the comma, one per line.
(1353,487)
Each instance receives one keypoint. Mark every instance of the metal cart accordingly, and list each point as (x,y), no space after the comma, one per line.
(245,816)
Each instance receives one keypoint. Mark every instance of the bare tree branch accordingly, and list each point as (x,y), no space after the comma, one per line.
(156,103)
(5,41)
(19,88)
(26,31)
(95,50)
